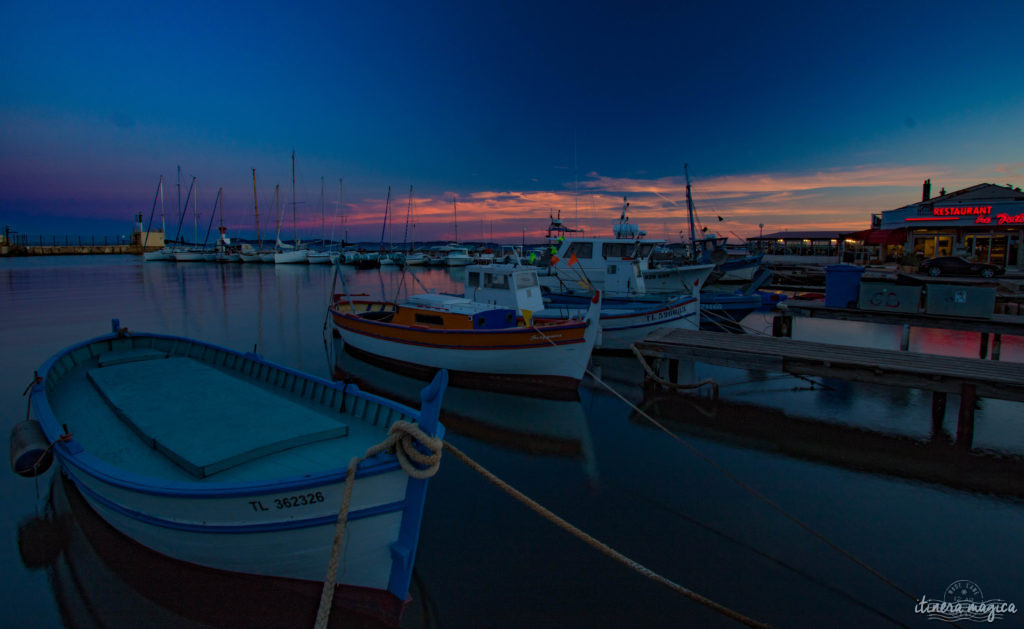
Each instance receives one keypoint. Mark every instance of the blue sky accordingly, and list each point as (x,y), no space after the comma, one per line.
(795,115)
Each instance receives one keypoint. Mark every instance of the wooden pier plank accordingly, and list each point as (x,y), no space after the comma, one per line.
(948,374)
(995,324)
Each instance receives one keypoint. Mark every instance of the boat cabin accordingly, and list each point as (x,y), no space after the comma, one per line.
(449,312)
(504,284)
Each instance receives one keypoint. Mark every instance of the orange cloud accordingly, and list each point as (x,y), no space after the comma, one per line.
(840,199)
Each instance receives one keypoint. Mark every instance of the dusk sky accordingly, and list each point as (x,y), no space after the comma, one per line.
(794,115)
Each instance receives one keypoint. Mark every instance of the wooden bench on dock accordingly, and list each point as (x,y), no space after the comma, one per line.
(971,378)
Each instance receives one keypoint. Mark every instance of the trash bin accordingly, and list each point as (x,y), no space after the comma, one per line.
(842,285)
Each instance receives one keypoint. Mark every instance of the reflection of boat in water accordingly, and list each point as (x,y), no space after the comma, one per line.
(100,578)
(526,424)
(231,462)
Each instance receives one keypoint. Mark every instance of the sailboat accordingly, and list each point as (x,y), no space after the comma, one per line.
(248,254)
(457,254)
(166,253)
(269,256)
(225,251)
(323,256)
(291,254)
(387,256)
(195,252)
(412,257)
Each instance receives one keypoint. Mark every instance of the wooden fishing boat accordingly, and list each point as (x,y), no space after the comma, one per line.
(228,461)
(482,345)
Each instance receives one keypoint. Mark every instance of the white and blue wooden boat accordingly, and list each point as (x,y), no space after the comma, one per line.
(226,460)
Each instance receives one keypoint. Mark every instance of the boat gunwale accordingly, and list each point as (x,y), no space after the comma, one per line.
(565,324)
(74,453)
(454,334)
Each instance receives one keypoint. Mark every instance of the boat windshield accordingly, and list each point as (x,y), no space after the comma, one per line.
(526,280)
(492,280)
(583,250)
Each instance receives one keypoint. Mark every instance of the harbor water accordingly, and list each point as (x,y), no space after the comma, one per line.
(704,493)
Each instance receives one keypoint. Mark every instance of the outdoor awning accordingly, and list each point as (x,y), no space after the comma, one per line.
(880,236)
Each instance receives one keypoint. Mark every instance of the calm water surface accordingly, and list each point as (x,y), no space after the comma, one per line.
(484,560)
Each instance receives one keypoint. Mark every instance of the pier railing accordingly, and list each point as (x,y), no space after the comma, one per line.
(53,240)
(52,244)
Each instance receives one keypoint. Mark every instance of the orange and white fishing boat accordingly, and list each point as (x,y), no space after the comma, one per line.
(482,345)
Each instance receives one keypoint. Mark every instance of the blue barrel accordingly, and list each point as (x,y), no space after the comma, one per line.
(842,285)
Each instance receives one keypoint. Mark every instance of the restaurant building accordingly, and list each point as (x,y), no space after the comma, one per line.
(984,222)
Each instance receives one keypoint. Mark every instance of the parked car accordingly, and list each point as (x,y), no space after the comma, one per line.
(956,265)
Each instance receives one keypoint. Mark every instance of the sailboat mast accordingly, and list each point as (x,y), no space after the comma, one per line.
(295,223)
(689,210)
(383,228)
(277,203)
(408,218)
(323,216)
(163,221)
(195,214)
(455,215)
(341,210)
(259,238)
(179,202)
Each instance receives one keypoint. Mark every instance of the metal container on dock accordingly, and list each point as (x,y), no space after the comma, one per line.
(960,300)
(889,297)
(842,283)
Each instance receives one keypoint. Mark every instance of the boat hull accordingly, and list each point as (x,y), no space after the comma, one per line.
(245,516)
(321,257)
(189,256)
(160,255)
(92,566)
(626,321)
(291,257)
(543,361)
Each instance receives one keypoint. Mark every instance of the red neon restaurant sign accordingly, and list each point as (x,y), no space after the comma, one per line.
(982,214)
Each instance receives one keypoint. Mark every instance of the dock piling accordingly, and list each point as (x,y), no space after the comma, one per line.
(965,419)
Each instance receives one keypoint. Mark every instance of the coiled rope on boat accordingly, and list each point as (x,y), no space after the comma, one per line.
(402,438)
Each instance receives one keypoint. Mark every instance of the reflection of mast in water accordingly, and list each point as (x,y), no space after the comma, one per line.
(298,334)
(154,283)
(223,269)
(259,308)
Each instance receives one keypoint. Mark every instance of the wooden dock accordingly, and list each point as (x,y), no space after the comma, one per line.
(994,326)
(968,377)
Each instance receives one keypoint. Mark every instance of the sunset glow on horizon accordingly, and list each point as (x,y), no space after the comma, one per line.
(515,112)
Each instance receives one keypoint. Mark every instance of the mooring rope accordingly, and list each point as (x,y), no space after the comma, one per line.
(402,438)
(746,487)
(673,385)
(599,545)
